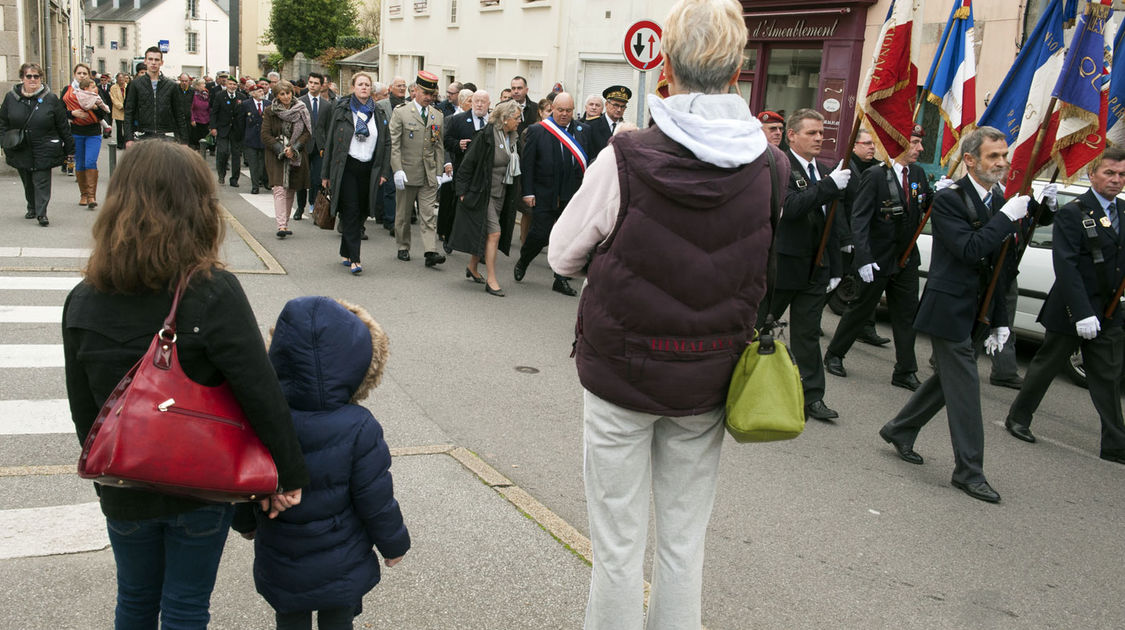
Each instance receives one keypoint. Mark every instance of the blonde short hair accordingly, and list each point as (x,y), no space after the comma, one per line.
(703,41)
(504,111)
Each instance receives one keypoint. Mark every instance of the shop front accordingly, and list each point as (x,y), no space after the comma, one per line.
(806,53)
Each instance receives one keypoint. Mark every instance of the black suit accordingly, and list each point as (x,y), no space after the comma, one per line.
(227,120)
(600,133)
(552,175)
(458,127)
(966,240)
(884,219)
(1081,291)
(801,287)
(317,117)
(252,141)
(529,117)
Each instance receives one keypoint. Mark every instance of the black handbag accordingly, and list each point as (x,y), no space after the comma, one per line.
(16,139)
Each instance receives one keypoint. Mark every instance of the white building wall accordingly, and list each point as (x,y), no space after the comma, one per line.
(168,20)
(113,58)
(255,15)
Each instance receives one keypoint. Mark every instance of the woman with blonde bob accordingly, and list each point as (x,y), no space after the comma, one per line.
(160,223)
(689,193)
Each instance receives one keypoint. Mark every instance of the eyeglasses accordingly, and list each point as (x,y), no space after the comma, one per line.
(31,76)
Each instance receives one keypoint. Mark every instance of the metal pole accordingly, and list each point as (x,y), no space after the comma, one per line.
(641,101)
(46,32)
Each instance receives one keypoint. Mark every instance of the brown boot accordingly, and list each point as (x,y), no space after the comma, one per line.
(92,188)
(80,176)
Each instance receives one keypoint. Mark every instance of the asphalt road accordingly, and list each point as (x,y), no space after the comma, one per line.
(830,530)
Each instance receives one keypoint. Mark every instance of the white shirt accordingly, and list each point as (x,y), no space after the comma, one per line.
(982,192)
(363,149)
(899,168)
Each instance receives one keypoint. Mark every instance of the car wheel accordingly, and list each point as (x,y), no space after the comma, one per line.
(1075,370)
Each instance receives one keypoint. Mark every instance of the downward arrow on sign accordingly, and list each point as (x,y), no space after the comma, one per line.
(639,46)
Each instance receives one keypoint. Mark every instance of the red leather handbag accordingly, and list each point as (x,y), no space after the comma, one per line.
(161,431)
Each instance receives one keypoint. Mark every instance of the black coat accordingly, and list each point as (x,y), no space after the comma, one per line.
(879,236)
(530,116)
(159,113)
(966,242)
(457,128)
(600,134)
(338,138)
(48,130)
(549,175)
(324,111)
(1078,292)
(843,221)
(473,186)
(802,226)
(252,124)
(226,115)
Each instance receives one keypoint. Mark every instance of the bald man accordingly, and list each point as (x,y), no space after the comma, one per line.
(552,164)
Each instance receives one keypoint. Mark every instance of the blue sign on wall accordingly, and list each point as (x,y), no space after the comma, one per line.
(163,45)
(113,45)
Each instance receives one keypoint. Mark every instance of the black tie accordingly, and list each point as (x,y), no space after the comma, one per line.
(480,122)
(1111,212)
(314,104)
(812,172)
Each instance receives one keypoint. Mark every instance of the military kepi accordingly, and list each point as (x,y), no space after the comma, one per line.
(427,81)
(617,93)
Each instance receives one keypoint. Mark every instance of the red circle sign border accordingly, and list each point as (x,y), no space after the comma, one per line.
(630,57)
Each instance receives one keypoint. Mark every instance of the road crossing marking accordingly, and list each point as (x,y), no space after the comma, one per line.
(52,530)
(30,314)
(264,203)
(31,355)
(44,252)
(35,417)
(38,283)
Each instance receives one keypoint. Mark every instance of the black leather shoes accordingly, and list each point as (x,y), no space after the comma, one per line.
(253,190)
(434,258)
(1011,383)
(298,216)
(474,277)
(519,271)
(906,381)
(905,453)
(872,338)
(234,183)
(30,214)
(978,490)
(819,411)
(834,365)
(562,286)
(404,255)
(43,221)
(1019,431)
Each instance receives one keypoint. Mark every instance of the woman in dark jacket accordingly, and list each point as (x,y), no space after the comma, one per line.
(286,129)
(161,221)
(356,127)
(487,187)
(319,555)
(47,141)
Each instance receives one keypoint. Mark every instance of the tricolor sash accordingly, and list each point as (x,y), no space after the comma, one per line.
(567,141)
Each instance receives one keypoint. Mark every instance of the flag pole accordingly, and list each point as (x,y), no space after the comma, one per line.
(832,208)
(1028,176)
(930,80)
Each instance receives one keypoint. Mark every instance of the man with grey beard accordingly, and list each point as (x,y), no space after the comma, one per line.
(970,221)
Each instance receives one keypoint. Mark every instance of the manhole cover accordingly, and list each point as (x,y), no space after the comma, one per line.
(526,369)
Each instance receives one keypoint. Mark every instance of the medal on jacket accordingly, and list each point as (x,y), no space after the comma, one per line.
(1105,222)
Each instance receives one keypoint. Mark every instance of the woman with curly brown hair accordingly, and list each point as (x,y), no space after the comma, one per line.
(286,129)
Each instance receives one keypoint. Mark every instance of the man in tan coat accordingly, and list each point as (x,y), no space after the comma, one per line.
(417,159)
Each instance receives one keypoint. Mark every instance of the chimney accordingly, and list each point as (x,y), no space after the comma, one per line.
(116,4)
(136,4)
(94,3)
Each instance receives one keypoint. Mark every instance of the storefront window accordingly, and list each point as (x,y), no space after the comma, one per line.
(792,75)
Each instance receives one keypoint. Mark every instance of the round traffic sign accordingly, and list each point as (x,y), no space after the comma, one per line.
(642,45)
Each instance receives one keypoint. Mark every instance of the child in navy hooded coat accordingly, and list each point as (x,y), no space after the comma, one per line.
(318,555)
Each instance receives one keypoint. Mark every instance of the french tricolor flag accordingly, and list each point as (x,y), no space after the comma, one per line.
(952,83)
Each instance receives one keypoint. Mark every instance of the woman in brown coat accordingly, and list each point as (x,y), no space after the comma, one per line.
(286,130)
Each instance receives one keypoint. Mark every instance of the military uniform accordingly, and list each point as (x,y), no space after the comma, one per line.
(226,120)
(602,128)
(416,150)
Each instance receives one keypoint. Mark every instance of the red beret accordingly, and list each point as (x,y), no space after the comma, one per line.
(770,117)
(918,132)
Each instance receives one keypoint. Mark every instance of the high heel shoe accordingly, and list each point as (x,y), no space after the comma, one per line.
(497,292)
(475,278)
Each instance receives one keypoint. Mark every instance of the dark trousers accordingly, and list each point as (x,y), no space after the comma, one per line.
(1102,358)
(120,124)
(447,206)
(902,300)
(326,619)
(1004,364)
(36,190)
(355,199)
(385,203)
(257,160)
(805,309)
(307,197)
(228,149)
(955,384)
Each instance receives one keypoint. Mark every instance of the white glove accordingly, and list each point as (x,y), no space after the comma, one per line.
(867,272)
(1016,208)
(847,249)
(400,181)
(841,176)
(832,284)
(942,183)
(1050,197)
(1088,328)
(996,340)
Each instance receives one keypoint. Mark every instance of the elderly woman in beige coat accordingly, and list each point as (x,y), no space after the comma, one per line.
(286,129)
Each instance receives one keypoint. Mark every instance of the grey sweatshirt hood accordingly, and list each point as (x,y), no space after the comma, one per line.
(716,128)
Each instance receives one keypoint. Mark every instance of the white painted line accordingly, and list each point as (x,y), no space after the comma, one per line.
(9,252)
(30,314)
(53,252)
(53,530)
(31,355)
(35,417)
(38,283)
(263,201)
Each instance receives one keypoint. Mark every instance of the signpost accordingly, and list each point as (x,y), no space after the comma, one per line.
(642,51)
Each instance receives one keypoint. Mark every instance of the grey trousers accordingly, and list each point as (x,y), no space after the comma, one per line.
(427,207)
(955,385)
(36,190)
(628,455)
(257,160)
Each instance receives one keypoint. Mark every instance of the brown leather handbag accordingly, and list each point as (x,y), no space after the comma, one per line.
(160,430)
(322,212)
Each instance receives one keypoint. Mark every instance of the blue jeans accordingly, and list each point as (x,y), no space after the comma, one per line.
(86,150)
(166,567)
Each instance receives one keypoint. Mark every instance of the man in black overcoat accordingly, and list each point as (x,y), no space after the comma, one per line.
(459,130)
(226,126)
(602,128)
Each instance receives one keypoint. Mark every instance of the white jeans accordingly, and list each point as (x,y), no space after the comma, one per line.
(627,454)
